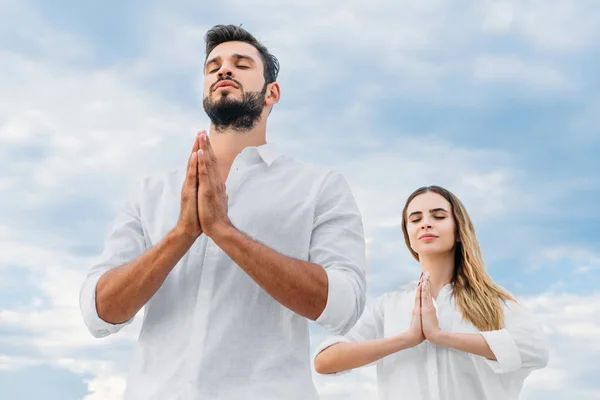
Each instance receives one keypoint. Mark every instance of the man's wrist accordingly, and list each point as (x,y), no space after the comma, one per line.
(179,236)
(224,233)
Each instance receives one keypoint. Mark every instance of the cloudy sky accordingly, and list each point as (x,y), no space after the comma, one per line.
(499,101)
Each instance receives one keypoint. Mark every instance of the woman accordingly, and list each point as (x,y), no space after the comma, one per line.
(453,334)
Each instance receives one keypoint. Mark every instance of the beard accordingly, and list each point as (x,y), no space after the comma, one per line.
(240,115)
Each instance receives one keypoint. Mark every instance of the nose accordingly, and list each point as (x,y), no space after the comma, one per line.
(225,72)
(425,223)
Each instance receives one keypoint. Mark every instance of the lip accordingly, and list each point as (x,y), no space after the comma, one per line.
(427,236)
(224,84)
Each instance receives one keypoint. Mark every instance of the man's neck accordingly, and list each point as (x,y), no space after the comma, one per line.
(227,144)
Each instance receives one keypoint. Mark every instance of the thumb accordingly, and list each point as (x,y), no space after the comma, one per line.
(418,296)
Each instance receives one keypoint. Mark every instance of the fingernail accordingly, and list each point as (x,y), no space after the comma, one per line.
(200,152)
(427,275)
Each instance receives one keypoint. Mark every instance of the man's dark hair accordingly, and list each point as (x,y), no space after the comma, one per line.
(219,34)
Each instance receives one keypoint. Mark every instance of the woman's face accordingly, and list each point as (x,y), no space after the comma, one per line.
(430,225)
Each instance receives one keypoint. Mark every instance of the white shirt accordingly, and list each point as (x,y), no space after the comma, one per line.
(431,372)
(210,331)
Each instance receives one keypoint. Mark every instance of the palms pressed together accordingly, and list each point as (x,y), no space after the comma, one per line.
(424,322)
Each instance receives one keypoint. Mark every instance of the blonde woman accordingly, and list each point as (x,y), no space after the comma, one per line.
(453,334)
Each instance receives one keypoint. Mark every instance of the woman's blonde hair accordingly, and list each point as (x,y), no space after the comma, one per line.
(475,293)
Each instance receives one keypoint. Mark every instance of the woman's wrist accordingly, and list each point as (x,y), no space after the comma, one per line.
(409,339)
(439,337)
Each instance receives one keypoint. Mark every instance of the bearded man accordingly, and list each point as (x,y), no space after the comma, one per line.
(232,256)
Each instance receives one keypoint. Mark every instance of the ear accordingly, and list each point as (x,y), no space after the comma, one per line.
(273,94)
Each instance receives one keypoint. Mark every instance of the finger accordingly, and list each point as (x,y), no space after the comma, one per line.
(202,172)
(418,295)
(189,187)
(194,173)
(197,142)
(207,160)
(190,176)
(428,290)
(213,170)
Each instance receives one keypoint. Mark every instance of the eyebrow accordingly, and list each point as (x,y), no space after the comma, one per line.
(237,57)
(430,211)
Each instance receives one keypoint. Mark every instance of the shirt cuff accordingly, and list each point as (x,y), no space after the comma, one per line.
(330,341)
(502,344)
(337,317)
(87,300)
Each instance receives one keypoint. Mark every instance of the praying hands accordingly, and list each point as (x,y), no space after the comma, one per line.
(203,196)
(424,322)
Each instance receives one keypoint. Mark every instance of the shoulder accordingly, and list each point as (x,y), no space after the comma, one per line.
(312,172)
(153,186)
(327,186)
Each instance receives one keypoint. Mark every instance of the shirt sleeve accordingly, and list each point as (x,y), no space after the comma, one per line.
(369,327)
(520,345)
(124,244)
(338,245)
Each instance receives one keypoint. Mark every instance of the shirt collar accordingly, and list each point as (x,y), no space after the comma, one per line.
(447,288)
(269,153)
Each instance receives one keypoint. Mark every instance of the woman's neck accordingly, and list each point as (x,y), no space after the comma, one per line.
(440,268)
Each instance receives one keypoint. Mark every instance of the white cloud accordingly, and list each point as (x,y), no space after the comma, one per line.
(557,25)
(23,26)
(8,363)
(498,16)
(513,70)
(574,257)
(109,387)
(550,26)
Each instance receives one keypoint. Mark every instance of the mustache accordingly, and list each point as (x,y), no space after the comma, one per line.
(212,87)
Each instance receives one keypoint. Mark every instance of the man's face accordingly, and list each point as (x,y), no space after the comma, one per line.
(239,63)
(234,85)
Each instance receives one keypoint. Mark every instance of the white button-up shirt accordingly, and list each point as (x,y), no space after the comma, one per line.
(210,331)
(431,372)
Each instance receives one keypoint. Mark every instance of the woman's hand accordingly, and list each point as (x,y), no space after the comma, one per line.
(429,320)
(415,332)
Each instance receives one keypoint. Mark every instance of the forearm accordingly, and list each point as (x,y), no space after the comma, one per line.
(468,342)
(298,285)
(122,291)
(346,356)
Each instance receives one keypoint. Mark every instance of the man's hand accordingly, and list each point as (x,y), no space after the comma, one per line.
(212,195)
(429,320)
(189,223)
(415,331)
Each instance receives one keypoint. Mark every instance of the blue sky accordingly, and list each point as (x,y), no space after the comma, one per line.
(499,101)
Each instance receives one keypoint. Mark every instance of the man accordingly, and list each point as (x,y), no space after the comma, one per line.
(232,256)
